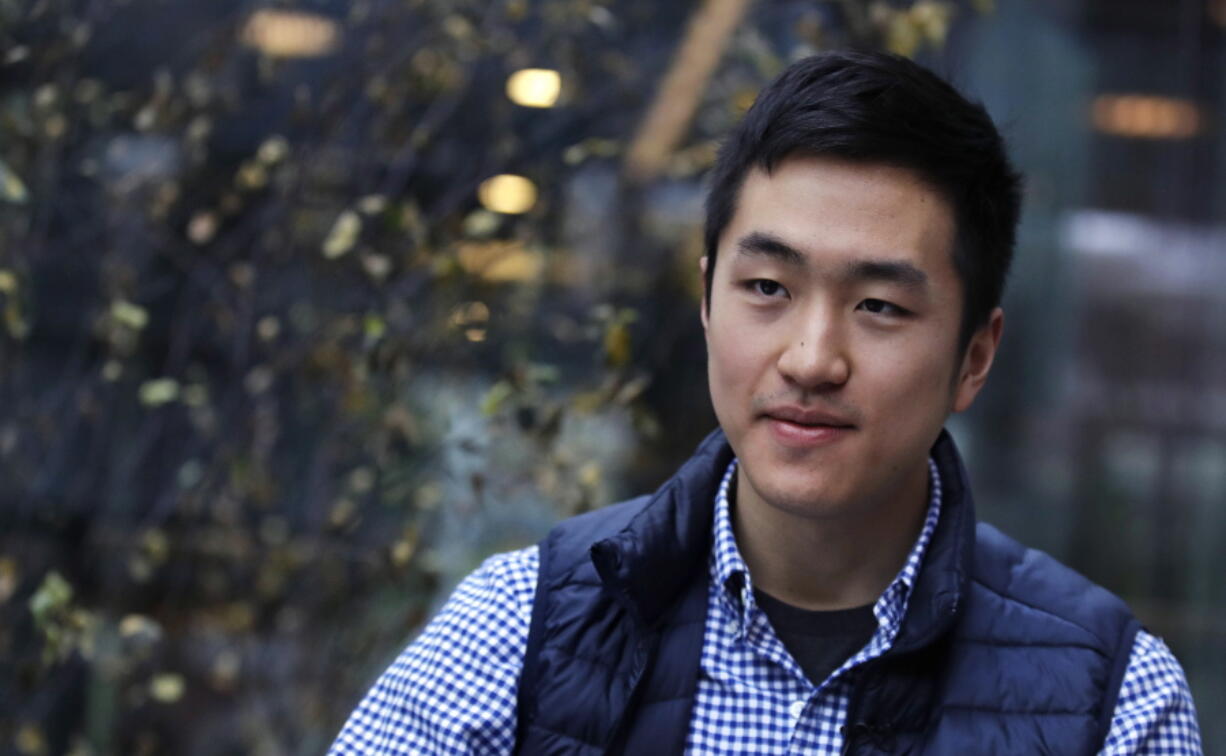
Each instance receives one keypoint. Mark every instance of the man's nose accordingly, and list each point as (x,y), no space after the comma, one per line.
(815,355)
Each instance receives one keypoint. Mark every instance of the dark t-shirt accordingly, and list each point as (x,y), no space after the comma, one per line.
(819,641)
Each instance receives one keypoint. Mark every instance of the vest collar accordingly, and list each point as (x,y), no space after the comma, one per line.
(647,564)
(940,589)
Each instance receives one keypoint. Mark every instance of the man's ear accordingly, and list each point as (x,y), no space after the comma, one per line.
(702,276)
(977,360)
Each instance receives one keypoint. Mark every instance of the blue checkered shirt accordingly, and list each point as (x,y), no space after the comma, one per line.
(453,690)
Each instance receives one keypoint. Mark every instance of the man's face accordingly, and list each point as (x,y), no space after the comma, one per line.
(832,335)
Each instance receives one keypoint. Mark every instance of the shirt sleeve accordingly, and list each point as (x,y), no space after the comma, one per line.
(453,689)
(1154,714)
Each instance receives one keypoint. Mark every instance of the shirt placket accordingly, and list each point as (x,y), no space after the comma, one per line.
(804,718)
(796,699)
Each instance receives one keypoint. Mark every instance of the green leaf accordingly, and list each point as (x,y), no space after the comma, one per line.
(131,315)
(617,344)
(374,328)
(344,234)
(53,596)
(496,397)
(159,391)
(167,687)
(12,189)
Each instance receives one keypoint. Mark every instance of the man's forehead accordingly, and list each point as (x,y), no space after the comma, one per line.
(809,210)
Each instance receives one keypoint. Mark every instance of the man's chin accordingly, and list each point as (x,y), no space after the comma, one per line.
(804,496)
(814,511)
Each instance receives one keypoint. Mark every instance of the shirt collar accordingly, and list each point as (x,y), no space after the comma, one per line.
(728,569)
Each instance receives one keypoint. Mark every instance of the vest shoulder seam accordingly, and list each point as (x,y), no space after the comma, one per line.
(1102,645)
(1025,644)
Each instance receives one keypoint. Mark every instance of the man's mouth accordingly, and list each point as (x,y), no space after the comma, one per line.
(805,427)
(798,415)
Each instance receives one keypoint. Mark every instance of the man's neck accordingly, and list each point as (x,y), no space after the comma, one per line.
(828,563)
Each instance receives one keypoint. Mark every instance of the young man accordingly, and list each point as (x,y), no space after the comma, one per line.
(813,580)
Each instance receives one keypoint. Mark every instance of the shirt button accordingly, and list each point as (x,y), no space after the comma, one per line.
(797,708)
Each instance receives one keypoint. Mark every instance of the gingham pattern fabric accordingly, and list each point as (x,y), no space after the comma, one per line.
(1155,714)
(752,696)
(453,690)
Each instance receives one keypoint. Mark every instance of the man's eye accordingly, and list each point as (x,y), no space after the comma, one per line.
(881,307)
(766,287)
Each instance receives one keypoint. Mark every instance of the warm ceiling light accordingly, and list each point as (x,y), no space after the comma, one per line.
(507,193)
(291,34)
(1146,116)
(534,87)
(1217,9)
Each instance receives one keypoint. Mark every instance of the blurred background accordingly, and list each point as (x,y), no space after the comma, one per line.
(308,306)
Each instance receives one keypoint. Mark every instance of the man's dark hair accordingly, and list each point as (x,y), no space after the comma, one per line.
(875,107)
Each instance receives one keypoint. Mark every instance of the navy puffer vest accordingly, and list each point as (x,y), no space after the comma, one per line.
(1003,649)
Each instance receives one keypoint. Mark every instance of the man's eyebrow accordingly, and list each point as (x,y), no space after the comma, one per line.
(769,245)
(901,272)
(898,272)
